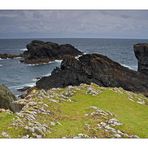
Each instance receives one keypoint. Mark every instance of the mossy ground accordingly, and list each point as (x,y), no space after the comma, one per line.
(70,118)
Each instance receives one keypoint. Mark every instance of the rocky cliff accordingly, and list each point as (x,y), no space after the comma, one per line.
(141,53)
(95,68)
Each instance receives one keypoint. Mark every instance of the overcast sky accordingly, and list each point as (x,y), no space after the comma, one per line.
(56,24)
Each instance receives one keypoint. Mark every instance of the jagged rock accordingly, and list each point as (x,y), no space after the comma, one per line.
(117,135)
(6,98)
(92,91)
(97,69)
(25,137)
(23,89)
(52,123)
(114,122)
(43,52)
(5,134)
(141,53)
(81,136)
(106,123)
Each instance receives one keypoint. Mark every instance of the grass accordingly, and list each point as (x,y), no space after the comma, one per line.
(134,116)
(72,115)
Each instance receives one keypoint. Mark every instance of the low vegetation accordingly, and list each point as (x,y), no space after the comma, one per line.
(85,111)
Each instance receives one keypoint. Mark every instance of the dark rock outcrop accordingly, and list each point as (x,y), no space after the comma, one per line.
(95,68)
(43,52)
(23,89)
(6,98)
(9,56)
(141,53)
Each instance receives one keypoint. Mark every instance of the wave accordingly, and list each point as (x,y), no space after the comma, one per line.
(23,49)
(22,86)
(57,61)
(34,79)
(77,57)
(48,74)
(132,67)
(39,64)
(18,58)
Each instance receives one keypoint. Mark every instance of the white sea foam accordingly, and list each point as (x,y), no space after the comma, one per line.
(22,86)
(37,64)
(34,80)
(77,57)
(80,55)
(23,49)
(18,58)
(134,67)
(1,65)
(58,61)
(30,84)
(48,74)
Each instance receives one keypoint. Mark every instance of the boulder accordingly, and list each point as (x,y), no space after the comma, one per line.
(43,52)
(94,68)
(141,53)
(6,98)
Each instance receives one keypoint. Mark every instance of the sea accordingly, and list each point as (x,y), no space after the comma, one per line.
(16,75)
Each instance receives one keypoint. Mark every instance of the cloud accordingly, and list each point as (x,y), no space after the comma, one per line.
(103,23)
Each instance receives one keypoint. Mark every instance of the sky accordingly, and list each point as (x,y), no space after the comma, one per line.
(74,24)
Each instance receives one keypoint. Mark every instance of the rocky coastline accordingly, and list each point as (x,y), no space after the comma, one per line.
(99,69)
(91,93)
(40,52)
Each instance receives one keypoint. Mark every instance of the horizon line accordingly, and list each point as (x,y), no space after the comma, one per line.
(74,38)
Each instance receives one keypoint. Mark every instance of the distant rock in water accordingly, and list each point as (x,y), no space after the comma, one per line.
(9,56)
(43,52)
(95,68)
(141,53)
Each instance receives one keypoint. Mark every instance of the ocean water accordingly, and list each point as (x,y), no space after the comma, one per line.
(16,75)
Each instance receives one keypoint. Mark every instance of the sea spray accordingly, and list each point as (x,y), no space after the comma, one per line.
(133,67)
(23,49)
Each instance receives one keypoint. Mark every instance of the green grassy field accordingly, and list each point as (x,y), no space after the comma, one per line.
(70,117)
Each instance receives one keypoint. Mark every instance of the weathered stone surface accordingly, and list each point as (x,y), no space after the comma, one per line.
(107,123)
(97,69)
(141,53)
(6,98)
(43,52)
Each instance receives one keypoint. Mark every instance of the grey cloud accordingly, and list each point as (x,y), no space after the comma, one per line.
(103,23)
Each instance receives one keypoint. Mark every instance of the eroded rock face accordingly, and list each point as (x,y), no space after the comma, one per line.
(97,69)
(141,53)
(6,98)
(43,52)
